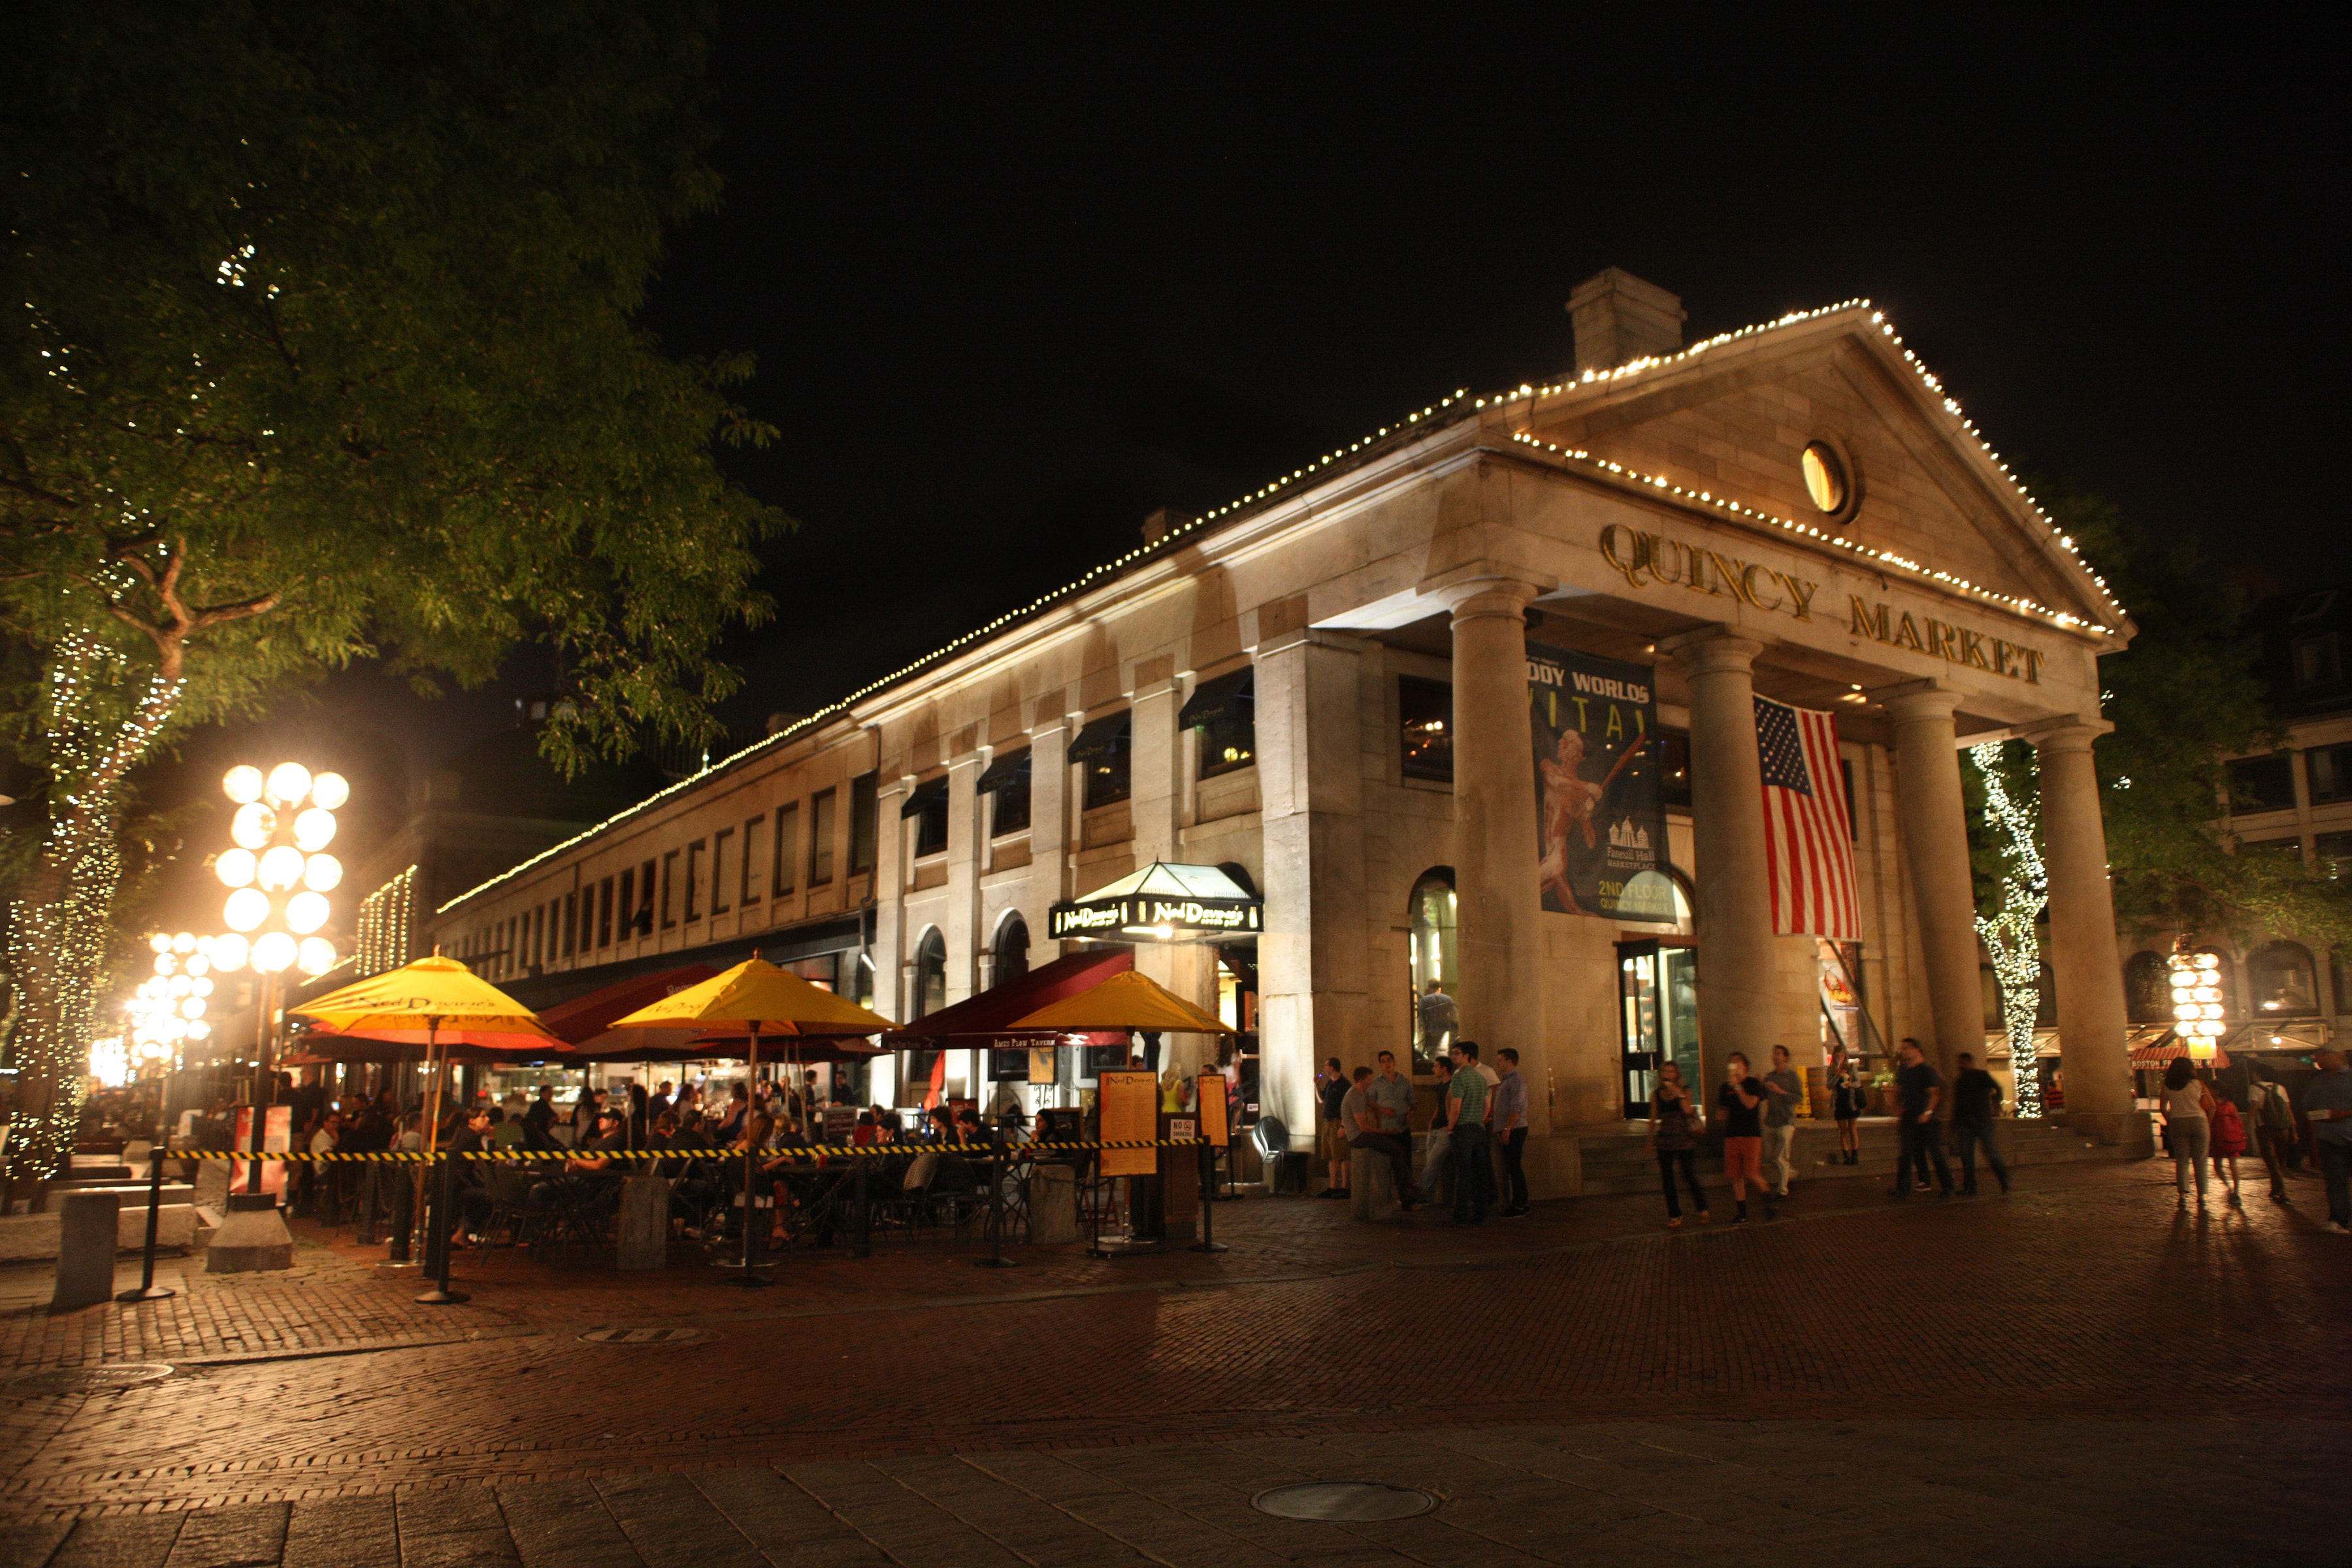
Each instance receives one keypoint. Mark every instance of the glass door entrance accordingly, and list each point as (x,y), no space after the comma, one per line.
(1657,996)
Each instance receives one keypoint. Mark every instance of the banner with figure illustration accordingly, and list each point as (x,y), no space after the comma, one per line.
(1601,818)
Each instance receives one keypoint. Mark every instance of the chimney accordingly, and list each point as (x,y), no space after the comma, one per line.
(1618,317)
(1164,522)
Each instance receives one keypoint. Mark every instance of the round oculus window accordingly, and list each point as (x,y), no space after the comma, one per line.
(1825,478)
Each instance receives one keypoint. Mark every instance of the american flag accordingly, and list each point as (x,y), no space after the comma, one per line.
(1807,842)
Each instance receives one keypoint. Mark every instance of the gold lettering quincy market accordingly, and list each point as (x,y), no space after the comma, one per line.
(1955,645)
(1654,558)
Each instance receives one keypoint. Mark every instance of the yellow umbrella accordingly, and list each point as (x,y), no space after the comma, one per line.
(753,996)
(1128,1000)
(436,1000)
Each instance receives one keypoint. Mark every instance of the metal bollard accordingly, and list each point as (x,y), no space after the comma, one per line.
(439,1234)
(1208,1242)
(861,1232)
(148,1290)
(403,1213)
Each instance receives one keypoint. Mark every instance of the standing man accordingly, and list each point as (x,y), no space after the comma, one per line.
(1740,1104)
(1466,1121)
(1437,1157)
(1510,1124)
(1782,1089)
(1331,1088)
(1918,1088)
(1439,1020)
(1392,1096)
(1364,1117)
(1976,1105)
(2327,1102)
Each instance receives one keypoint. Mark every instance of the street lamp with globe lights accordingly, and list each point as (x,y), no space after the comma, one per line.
(278,875)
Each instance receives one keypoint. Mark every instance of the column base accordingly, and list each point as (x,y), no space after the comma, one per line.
(2129,1130)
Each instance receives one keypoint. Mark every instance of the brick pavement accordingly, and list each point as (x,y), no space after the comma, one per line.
(2081,1303)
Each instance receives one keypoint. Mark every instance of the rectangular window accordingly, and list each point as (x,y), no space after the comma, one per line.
(571,923)
(720,843)
(2330,772)
(1102,749)
(2317,661)
(1005,783)
(627,906)
(645,924)
(747,888)
(668,888)
(2332,857)
(864,824)
(1425,725)
(1673,768)
(604,909)
(693,867)
(820,838)
(2262,784)
(928,806)
(1225,712)
(785,874)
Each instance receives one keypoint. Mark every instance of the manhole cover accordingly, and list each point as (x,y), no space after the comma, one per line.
(89,1379)
(1354,1501)
(640,1336)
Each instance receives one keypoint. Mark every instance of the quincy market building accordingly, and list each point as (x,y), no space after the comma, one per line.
(1337,690)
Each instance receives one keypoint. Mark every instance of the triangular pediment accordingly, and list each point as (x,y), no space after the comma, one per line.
(1732,419)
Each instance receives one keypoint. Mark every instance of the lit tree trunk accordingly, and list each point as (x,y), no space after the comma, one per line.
(62,918)
(2009,936)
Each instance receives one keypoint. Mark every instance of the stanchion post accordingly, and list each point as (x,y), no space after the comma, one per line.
(439,1235)
(1208,1242)
(403,1204)
(148,1290)
(861,1231)
(995,1259)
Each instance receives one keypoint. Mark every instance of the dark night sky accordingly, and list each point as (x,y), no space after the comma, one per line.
(1012,286)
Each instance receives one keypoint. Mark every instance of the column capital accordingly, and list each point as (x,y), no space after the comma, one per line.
(1712,650)
(2073,734)
(1919,702)
(1484,588)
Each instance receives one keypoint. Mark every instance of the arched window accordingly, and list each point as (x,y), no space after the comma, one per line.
(931,973)
(1434,962)
(1011,949)
(2147,988)
(2284,983)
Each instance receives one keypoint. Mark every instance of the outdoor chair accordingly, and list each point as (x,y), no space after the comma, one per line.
(510,1210)
(956,1196)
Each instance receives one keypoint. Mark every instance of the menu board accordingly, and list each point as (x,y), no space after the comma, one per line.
(1212,1109)
(1130,1114)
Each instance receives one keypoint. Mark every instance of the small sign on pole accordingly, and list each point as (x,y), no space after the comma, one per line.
(1212,1109)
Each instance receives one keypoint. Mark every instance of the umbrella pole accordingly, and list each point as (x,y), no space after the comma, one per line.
(749,1266)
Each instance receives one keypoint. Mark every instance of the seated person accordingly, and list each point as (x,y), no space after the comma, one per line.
(967,1127)
(506,1131)
(473,1192)
(590,1171)
(868,1130)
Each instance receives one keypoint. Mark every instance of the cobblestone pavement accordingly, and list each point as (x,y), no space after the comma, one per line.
(2073,1374)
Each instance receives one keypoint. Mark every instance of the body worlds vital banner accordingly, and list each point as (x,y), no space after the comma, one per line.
(1601,821)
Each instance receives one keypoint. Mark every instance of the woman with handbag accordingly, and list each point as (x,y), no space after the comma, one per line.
(1675,1126)
(1846,1096)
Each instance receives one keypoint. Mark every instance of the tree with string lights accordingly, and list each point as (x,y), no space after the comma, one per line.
(325,348)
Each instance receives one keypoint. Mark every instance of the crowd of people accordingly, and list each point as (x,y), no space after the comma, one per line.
(2210,1120)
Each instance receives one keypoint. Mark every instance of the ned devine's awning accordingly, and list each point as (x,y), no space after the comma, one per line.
(1163,903)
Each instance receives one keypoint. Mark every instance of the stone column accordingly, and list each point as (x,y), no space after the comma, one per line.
(1738,989)
(1156,795)
(1312,963)
(1049,830)
(2092,1020)
(961,927)
(1936,848)
(890,904)
(1499,904)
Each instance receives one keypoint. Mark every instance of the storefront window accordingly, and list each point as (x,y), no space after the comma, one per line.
(2284,983)
(1425,722)
(2147,988)
(1435,963)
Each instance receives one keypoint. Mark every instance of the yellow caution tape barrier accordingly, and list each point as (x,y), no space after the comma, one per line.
(816,1151)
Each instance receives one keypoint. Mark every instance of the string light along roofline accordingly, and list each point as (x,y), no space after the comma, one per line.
(1417,422)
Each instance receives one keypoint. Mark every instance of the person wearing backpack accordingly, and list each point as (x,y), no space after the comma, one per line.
(1976,1104)
(2227,1132)
(2274,1129)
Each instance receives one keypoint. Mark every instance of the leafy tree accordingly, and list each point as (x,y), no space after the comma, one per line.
(325,348)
